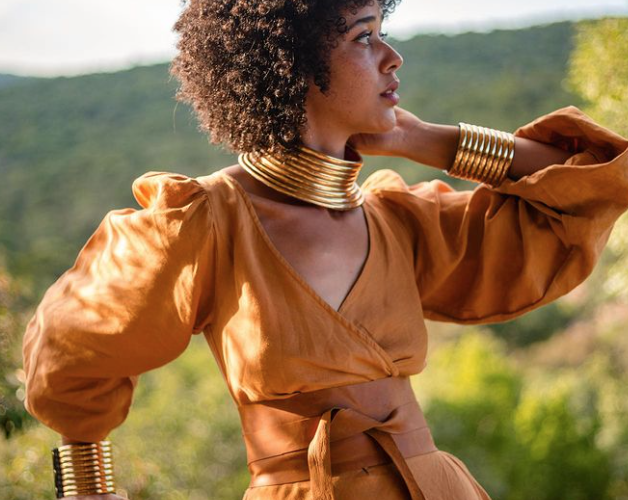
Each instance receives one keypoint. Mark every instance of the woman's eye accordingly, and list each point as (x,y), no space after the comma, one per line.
(367,36)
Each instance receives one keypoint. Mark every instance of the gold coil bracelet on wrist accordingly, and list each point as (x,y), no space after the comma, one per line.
(83,469)
(483,155)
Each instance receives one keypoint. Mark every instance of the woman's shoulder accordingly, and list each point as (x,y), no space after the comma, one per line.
(164,189)
(161,189)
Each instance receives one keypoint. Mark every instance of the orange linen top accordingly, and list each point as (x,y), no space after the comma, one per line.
(196,259)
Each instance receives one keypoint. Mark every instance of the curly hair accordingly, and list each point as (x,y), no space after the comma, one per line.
(245,66)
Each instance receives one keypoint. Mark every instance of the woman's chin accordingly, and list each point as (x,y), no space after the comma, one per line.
(385,124)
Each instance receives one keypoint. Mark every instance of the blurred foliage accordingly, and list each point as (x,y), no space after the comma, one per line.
(12,412)
(599,73)
(599,70)
(542,325)
(527,436)
(534,407)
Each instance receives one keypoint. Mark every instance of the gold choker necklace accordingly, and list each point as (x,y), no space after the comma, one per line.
(310,176)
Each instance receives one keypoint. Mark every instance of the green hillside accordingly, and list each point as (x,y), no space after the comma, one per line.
(500,79)
(71,147)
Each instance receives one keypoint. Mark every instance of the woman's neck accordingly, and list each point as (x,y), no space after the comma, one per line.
(331,142)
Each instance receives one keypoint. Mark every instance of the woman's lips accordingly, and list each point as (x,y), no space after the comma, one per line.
(391,92)
(393,97)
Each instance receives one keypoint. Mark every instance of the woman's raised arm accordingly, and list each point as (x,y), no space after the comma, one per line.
(493,253)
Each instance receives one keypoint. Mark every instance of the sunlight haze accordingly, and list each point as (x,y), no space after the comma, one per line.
(69,37)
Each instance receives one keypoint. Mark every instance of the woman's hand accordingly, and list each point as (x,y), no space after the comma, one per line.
(396,142)
(412,138)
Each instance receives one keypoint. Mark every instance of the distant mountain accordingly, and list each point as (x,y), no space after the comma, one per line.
(71,147)
(9,80)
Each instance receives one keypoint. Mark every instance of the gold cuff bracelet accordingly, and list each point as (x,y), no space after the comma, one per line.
(483,155)
(83,469)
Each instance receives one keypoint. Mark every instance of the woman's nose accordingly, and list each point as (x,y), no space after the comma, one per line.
(393,60)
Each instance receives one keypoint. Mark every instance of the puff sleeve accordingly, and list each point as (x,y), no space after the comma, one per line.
(491,254)
(139,288)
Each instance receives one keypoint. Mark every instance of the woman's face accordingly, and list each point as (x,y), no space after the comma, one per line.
(362,67)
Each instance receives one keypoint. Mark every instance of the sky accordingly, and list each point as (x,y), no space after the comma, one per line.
(71,37)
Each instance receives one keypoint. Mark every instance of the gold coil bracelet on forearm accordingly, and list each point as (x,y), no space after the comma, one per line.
(83,469)
(483,155)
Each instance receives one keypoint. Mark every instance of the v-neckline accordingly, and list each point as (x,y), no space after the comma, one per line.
(290,268)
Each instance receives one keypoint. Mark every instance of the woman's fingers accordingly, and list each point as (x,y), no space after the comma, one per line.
(391,143)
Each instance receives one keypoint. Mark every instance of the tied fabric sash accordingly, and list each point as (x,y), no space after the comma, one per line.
(315,435)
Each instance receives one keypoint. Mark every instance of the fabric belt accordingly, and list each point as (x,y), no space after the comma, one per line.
(315,435)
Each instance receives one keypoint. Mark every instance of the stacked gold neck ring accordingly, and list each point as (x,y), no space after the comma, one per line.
(310,176)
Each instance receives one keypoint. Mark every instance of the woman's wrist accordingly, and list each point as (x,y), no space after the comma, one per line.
(66,440)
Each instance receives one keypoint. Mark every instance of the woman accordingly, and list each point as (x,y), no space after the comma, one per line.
(311,291)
